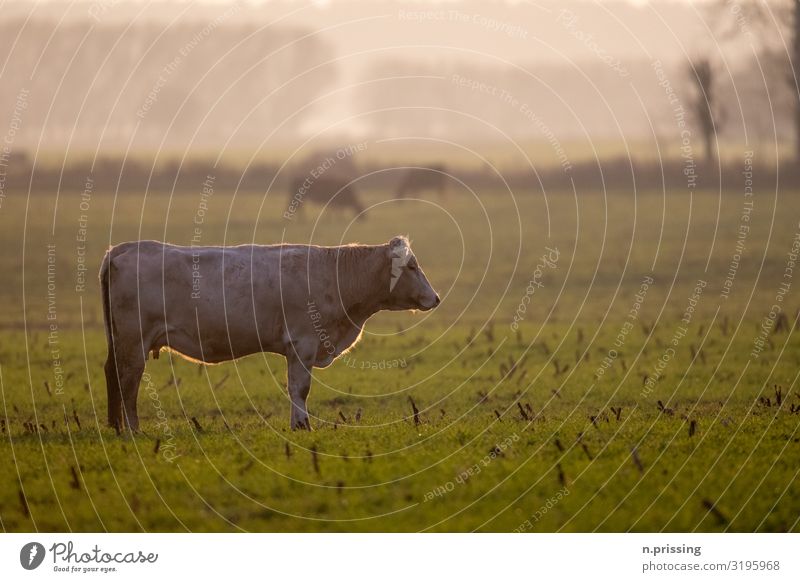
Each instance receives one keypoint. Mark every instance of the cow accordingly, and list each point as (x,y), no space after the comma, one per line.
(216,304)
(416,180)
(334,190)
(325,177)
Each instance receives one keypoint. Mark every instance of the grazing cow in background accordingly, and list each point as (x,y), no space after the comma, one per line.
(214,304)
(418,180)
(332,190)
(325,177)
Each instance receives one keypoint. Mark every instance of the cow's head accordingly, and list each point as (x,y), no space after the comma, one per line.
(408,286)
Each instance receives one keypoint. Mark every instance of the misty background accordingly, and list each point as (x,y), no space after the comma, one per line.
(544,83)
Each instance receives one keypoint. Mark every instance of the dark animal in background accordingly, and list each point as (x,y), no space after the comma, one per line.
(336,192)
(325,177)
(417,180)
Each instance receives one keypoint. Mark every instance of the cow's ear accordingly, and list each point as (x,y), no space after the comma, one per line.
(398,241)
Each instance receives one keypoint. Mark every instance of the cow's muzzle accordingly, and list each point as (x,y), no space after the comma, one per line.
(428,305)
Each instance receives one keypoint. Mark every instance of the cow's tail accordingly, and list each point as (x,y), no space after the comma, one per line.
(105,266)
(112,377)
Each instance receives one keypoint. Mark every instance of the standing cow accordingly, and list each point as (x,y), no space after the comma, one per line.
(335,191)
(325,177)
(214,304)
(416,180)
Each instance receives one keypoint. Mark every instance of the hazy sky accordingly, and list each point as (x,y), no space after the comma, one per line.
(593,60)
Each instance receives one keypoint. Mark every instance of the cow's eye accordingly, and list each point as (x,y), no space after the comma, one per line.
(412,267)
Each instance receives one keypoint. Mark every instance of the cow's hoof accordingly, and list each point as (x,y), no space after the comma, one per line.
(302,425)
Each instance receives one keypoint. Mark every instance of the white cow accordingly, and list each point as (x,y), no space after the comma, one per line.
(214,304)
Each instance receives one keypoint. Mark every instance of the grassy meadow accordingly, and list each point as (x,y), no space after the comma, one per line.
(632,381)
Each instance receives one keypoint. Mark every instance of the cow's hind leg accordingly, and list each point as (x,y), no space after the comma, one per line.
(299,366)
(129,379)
(114,393)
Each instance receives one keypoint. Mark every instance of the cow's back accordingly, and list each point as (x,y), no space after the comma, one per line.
(209,303)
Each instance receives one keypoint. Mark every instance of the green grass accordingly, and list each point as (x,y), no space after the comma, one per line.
(553,441)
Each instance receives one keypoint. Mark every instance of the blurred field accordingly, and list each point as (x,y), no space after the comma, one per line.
(547,442)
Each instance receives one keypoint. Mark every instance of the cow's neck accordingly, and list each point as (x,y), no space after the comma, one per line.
(366,271)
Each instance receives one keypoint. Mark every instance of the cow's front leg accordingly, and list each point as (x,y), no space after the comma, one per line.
(299,373)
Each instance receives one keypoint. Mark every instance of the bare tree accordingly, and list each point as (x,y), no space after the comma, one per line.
(703,104)
(795,74)
(768,23)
